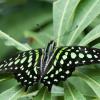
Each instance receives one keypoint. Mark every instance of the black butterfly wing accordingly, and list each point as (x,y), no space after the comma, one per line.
(64,61)
(24,66)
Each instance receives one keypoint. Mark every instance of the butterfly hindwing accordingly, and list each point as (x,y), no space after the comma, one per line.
(25,66)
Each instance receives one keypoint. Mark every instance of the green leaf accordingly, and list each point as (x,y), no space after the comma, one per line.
(6,84)
(92,98)
(57,91)
(71,93)
(9,41)
(29,95)
(87,11)
(89,71)
(16,2)
(43,95)
(63,11)
(41,39)
(97,45)
(82,86)
(92,35)
(95,85)
(2,80)
(12,93)
(95,22)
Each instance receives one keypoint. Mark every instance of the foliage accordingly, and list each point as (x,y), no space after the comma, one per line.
(28,24)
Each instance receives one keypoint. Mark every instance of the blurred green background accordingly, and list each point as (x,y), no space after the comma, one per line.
(21,17)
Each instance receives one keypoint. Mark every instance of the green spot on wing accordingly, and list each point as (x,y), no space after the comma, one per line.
(81,55)
(30,59)
(89,55)
(17,61)
(23,60)
(37,56)
(35,70)
(10,63)
(57,56)
(73,55)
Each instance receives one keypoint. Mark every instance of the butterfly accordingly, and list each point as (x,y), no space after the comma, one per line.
(48,65)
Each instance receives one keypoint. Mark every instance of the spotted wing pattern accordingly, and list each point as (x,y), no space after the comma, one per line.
(49,65)
(65,60)
(25,66)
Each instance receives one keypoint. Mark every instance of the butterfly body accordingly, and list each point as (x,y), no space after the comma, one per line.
(48,65)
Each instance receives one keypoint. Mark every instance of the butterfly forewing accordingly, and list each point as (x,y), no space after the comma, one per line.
(25,66)
(65,60)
